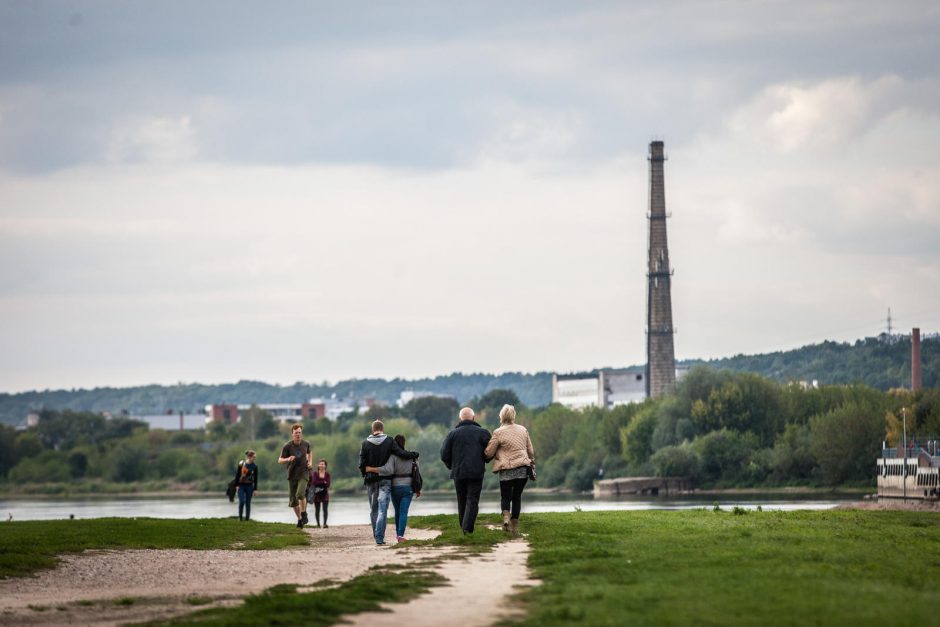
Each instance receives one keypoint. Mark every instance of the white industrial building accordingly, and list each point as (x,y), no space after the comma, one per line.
(608,388)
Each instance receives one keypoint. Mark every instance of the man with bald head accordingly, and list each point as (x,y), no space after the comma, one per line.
(462,453)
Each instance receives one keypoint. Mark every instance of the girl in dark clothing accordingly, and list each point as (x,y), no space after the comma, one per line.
(246,476)
(319,491)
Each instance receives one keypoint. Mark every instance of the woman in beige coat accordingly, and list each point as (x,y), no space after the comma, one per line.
(511,449)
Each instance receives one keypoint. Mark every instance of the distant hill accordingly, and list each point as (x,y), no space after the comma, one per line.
(883,362)
(534,390)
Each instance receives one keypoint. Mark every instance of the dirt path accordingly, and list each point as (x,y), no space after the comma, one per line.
(90,585)
(116,587)
(476,595)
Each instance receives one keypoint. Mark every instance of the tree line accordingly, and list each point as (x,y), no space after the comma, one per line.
(882,363)
(719,428)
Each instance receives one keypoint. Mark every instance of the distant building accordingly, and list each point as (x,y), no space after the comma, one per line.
(406,396)
(174,421)
(223,413)
(608,388)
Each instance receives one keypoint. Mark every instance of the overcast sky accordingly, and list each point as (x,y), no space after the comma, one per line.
(212,191)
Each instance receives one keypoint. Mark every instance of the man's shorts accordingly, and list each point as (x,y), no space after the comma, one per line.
(298,490)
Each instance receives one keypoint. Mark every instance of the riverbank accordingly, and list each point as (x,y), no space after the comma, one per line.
(189,490)
(727,566)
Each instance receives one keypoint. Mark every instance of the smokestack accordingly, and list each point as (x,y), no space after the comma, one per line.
(916,381)
(660,351)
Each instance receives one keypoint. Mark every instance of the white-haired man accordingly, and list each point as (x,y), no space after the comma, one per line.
(462,453)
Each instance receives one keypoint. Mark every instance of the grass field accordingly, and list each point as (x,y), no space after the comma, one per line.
(703,567)
(840,567)
(28,546)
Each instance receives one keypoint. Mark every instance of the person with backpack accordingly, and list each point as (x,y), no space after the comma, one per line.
(403,486)
(246,478)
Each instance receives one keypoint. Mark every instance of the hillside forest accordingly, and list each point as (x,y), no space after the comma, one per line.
(720,428)
(881,362)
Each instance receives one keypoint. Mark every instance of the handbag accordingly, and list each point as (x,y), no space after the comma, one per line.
(231,490)
(530,471)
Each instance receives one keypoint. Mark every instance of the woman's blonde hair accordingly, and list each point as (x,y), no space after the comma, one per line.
(507,415)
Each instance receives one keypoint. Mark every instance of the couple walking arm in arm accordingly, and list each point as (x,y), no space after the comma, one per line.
(468,447)
(374,453)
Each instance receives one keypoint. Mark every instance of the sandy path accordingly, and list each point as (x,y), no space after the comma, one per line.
(88,588)
(336,553)
(476,595)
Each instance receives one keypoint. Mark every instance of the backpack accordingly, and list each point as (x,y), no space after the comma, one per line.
(417,482)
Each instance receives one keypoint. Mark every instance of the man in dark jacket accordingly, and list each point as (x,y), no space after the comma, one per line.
(375,451)
(462,453)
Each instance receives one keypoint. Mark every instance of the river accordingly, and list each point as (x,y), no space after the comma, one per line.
(351,510)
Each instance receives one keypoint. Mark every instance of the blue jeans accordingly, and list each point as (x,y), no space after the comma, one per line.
(401,499)
(245,490)
(379,496)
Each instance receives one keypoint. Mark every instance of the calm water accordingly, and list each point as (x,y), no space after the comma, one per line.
(353,510)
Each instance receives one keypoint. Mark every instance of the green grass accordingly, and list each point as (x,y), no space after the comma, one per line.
(703,567)
(28,546)
(284,605)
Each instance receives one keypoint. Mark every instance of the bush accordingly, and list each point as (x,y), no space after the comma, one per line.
(676,461)
(47,467)
(724,454)
(128,462)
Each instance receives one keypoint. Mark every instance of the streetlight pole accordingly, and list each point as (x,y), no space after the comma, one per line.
(904,474)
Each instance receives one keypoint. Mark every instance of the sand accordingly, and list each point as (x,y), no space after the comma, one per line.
(88,588)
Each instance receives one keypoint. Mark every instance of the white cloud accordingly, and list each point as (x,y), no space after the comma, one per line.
(151,139)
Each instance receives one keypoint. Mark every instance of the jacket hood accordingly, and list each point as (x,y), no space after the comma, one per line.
(376,439)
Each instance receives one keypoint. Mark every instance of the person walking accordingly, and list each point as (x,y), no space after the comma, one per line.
(299,459)
(402,490)
(511,450)
(375,451)
(246,478)
(319,492)
(462,453)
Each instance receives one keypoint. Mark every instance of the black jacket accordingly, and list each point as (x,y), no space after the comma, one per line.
(462,451)
(376,450)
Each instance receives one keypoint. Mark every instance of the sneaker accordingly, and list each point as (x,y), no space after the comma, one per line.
(303,517)
(326,526)
(300,523)
(400,538)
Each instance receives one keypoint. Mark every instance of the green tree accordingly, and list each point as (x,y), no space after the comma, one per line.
(128,462)
(428,410)
(8,456)
(676,461)
(846,443)
(636,439)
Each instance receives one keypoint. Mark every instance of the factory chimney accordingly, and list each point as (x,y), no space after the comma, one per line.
(916,381)
(660,352)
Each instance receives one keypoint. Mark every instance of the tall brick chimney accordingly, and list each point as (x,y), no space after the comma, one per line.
(916,381)
(660,352)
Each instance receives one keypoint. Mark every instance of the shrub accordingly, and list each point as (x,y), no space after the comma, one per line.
(676,461)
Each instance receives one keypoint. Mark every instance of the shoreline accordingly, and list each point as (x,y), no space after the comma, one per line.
(535,491)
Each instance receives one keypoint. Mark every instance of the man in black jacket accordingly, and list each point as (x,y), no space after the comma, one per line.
(462,453)
(375,451)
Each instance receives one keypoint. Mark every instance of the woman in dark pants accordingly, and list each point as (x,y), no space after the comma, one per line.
(511,450)
(246,477)
(319,491)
